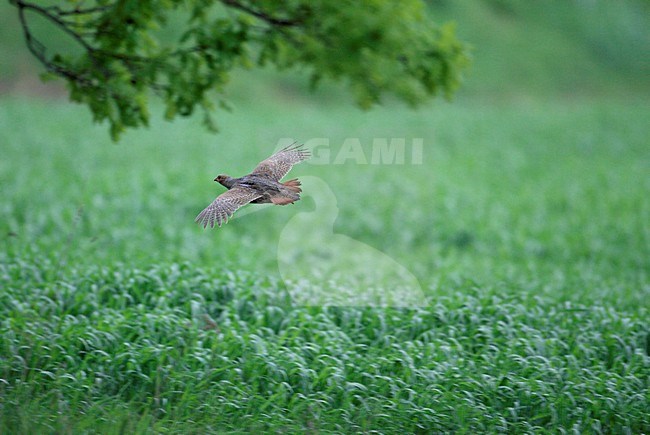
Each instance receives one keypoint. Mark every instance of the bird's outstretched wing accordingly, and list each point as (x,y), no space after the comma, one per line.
(280,163)
(225,205)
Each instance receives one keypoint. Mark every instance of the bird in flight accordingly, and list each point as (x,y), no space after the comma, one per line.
(259,187)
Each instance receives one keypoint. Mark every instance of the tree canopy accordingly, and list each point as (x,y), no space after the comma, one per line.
(129,50)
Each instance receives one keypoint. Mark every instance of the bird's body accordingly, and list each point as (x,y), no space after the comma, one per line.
(262,186)
(271,191)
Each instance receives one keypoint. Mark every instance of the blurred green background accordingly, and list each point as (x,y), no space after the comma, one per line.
(534,188)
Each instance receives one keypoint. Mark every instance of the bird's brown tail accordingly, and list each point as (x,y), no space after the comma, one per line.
(293,185)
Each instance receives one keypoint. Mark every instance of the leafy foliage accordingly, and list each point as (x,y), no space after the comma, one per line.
(131,48)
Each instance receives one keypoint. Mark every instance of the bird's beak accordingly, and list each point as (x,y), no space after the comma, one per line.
(216,179)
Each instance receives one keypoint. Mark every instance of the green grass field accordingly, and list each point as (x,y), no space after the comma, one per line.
(526,225)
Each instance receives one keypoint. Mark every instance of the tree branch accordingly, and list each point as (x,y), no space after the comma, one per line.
(261,15)
(79,11)
(38,49)
(44,12)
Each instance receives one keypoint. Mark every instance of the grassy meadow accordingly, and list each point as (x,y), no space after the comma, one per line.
(525,225)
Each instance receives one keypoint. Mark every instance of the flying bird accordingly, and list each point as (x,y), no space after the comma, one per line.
(259,187)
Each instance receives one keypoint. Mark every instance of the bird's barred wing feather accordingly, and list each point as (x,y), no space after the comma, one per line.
(225,205)
(280,163)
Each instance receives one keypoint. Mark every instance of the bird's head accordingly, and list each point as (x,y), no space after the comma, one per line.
(225,180)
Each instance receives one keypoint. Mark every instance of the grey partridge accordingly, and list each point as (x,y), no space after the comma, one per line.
(260,186)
